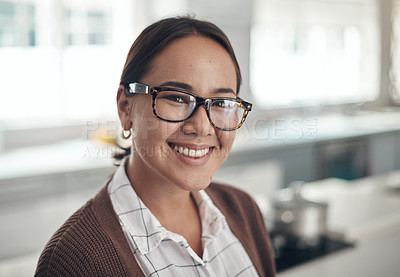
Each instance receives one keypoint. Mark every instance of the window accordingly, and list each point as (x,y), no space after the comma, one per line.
(395,52)
(59,59)
(307,52)
(88,27)
(63,59)
(17,24)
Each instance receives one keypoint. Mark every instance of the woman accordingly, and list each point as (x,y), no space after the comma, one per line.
(159,215)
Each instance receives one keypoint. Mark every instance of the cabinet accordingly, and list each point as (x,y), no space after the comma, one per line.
(383,152)
(397,159)
(345,159)
(295,161)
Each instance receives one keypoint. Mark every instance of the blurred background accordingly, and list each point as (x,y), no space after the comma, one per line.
(323,75)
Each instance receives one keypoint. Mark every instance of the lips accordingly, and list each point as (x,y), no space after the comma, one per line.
(191,151)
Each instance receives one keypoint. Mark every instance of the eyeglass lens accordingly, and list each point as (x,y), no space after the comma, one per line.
(177,106)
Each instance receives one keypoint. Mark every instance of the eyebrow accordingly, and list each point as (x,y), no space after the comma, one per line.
(188,87)
(177,85)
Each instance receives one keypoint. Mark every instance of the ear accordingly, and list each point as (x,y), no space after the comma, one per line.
(124,108)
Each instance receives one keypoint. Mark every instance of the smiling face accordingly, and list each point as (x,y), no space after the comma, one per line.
(182,155)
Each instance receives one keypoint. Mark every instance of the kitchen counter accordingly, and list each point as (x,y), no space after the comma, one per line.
(258,138)
(290,130)
(254,137)
(377,256)
(362,207)
(365,211)
(64,156)
(60,168)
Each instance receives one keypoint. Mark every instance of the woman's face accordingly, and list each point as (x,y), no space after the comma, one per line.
(203,67)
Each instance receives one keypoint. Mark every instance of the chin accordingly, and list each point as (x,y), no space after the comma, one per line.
(195,184)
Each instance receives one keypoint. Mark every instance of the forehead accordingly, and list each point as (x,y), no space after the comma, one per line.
(195,60)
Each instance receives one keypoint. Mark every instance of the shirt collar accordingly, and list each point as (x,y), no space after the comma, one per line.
(143,227)
(212,220)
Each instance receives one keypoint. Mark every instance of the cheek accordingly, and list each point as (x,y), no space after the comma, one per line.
(226,139)
(149,130)
(149,138)
(146,126)
(144,123)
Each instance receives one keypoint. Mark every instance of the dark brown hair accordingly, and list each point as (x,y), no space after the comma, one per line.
(156,37)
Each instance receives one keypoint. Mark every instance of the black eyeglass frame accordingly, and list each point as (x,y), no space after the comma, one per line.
(138,88)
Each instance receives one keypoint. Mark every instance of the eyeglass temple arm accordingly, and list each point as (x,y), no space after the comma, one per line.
(139,88)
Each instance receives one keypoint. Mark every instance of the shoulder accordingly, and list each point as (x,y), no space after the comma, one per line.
(237,206)
(80,247)
(224,188)
(60,254)
(230,196)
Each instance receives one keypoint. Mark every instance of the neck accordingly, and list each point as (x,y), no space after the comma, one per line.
(174,207)
(164,199)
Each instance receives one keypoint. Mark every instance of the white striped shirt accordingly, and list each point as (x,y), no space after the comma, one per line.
(160,252)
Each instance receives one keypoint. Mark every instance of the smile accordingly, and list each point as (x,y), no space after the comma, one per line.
(194,153)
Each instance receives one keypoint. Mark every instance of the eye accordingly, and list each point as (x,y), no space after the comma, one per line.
(226,104)
(175,97)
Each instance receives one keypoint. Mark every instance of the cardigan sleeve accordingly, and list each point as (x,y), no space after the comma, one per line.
(80,248)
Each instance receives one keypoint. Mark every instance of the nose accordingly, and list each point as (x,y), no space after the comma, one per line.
(198,123)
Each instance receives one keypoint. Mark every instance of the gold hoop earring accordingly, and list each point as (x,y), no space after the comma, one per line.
(125,134)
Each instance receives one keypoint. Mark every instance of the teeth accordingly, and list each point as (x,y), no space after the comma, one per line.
(191,152)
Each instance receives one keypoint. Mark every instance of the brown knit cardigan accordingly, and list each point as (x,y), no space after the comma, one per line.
(91,242)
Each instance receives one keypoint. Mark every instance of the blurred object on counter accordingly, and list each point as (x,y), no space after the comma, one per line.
(302,221)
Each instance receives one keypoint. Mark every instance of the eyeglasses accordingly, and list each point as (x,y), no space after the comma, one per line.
(176,105)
